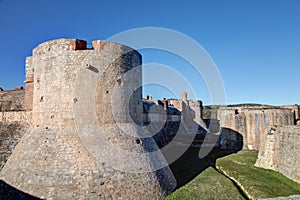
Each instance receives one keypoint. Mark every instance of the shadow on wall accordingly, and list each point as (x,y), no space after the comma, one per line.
(8,192)
(230,140)
(180,142)
(188,140)
(189,165)
(10,135)
(182,131)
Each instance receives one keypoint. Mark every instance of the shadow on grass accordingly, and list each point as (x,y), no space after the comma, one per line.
(189,165)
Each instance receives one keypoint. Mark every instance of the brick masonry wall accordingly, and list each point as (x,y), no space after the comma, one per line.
(280,151)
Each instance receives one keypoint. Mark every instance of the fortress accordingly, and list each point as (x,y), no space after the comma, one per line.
(271,130)
(81,129)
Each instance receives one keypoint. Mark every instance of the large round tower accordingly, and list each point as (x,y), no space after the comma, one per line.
(85,140)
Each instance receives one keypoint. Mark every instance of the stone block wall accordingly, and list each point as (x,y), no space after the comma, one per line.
(13,125)
(14,121)
(12,100)
(16,116)
(10,135)
(294,108)
(250,122)
(197,108)
(29,84)
(70,117)
(176,104)
(230,140)
(279,150)
(74,148)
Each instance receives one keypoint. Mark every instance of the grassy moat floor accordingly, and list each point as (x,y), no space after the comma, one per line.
(233,177)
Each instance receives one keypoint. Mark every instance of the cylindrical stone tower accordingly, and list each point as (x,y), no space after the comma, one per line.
(85,140)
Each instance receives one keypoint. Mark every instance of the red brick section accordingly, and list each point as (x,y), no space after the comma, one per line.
(28,101)
(78,44)
(98,45)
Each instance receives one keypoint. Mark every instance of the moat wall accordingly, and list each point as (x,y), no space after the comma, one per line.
(10,135)
(279,150)
(14,121)
(251,122)
(12,100)
(270,130)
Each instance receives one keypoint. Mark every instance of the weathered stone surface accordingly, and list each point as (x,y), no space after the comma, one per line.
(85,117)
(10,134)
(250,122)
(12,100)
(279,150)
(29,84)
(294,109)
(18,88)
(13,125)
(62,156)
(16,116)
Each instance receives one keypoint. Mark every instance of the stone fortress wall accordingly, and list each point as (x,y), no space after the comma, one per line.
(175,108)
(14,121)
(12,100)
(279,150)
(251,121)
(178,123)
(272,130)
(16,116)
(53,160)
(12,106)
(59,81)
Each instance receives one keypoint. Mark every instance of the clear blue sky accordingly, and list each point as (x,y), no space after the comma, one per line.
(254,43)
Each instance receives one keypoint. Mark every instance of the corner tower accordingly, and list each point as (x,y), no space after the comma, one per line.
(83,143)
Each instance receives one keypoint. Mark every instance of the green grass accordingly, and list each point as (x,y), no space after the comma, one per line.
(210,184)
(258,182)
